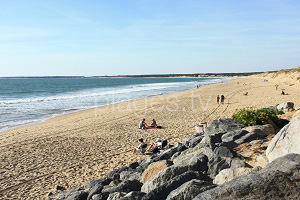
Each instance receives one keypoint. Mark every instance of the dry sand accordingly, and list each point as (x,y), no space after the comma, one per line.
(77,148)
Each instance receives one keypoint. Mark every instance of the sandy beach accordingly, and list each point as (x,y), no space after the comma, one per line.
(73,149)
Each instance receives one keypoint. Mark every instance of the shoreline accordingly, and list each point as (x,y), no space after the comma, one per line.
(44,119)
(73,149)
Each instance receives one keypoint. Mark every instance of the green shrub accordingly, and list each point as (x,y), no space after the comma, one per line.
(251,117)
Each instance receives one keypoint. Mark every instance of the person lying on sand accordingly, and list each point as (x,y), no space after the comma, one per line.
(158,145)
(141,148)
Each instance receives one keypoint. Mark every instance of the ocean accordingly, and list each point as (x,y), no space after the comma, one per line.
(32,100)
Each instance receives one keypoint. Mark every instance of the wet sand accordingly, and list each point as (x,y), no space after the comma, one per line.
(76,148)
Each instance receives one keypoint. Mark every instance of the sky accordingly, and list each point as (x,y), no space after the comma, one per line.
(118,37)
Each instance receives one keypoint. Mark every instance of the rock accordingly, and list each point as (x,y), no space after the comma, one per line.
(196,163)
(154,169)
(262,161)
(228,174)
(162,190)
(189,153)
(134,165)
(286,141)
(168,153)
(130,175)
(279,180)
(233,135)
(164,176)
(70,195)
(217,128)
(192,141)
(236,163)
(95,190)
(134,195)
(116,195)
(223,152)
(125,186)
(101,196)
(116,173)
(175,155)
(103,181)
(189,190)
(216,165)
(261,130)
(286,107)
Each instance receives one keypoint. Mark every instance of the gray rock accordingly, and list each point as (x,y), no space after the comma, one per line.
(164,176)
(189,190)
(130,175)
(162,191)
(69,195)
(103,181)
(279,180)
(286,141)
(125,186)
(134,195)
(216,165)
(192,141)
(189,153)
(218,128)
(95,190)
(286,107)
(228,174)
(233,135)
(116,195)
(196,163)
(223,152)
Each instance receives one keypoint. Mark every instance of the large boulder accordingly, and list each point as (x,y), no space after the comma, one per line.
(191,152)
(70,195)
(286,107)
(125,186)
(130,175)
(189,190)
(193,140)
(214,132)
(162,190)
(279,180)
(134,195)
(153,170)
(228,174)
(286,141)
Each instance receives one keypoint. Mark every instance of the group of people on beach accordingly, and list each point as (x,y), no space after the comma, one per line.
(143,124)
(155,147)
(220,98)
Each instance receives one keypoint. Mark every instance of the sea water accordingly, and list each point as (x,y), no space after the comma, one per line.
(30,100)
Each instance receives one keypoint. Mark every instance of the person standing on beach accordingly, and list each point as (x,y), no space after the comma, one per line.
(276,86)
(222,99)
(218,99)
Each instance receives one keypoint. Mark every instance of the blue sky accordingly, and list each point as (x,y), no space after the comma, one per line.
(97,37)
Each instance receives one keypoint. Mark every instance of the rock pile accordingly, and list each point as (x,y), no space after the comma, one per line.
(202,167)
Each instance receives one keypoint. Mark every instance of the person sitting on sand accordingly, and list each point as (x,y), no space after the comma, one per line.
(141,148)
(282,92)
(143,124)
(154,124)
